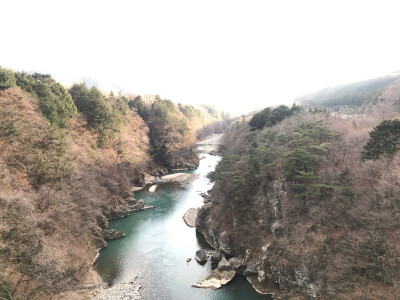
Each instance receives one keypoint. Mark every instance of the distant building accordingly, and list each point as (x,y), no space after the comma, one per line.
(148,100)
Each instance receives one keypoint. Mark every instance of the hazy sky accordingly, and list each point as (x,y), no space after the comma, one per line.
(238,55)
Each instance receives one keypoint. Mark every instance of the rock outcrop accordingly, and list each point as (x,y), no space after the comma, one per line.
(215,256)
(180,178)
(111,234)
(181,159)
(238,264)
(224,265)
(250,270)
(140,204)
(190,217)
(215,280)
(201,256)
(153,188)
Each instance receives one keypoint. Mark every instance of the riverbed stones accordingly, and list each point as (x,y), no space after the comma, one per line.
(120,291)
(201,256)
(215,280)
(224,265)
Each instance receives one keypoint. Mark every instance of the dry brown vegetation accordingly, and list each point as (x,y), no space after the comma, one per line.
(68,162)
(343,245)
(56,184)
(60,184)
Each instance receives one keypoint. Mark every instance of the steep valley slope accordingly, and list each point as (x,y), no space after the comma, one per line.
(302,214)
(69,160)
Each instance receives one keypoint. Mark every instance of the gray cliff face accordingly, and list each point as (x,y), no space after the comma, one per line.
(253,241)
(204,225)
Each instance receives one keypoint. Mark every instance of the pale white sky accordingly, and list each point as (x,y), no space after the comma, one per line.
(238,55)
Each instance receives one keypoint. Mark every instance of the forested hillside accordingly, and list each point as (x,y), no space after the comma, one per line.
(348,95)
(173,128)
(309,205)
(69,159)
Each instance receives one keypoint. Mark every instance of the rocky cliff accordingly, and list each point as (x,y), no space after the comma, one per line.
(303,214)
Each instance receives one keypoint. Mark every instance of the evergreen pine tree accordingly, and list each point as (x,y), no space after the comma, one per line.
(384,139)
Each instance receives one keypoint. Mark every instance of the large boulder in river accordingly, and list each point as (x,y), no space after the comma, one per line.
(153,188)
(191,216)
(224,265)
(215,280)
(201,256)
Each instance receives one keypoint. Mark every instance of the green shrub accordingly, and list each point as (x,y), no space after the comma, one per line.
(142,110)
(269,117)
(54,100)
(7,79)
(94,107)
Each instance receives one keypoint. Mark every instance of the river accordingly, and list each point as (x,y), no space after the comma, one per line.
(158,243)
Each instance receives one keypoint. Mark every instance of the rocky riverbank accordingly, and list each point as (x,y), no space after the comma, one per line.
(180,178)
(151,182)
(210,144)
(215,280)
(122,291)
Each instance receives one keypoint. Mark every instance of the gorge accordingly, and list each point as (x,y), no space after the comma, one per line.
(301,201)
(158,243)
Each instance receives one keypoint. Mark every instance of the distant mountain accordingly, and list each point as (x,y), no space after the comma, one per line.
(351,94)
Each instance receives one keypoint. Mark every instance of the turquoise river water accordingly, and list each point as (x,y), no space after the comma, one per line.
(158,242)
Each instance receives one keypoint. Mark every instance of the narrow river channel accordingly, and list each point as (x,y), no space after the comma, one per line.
(158,243)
